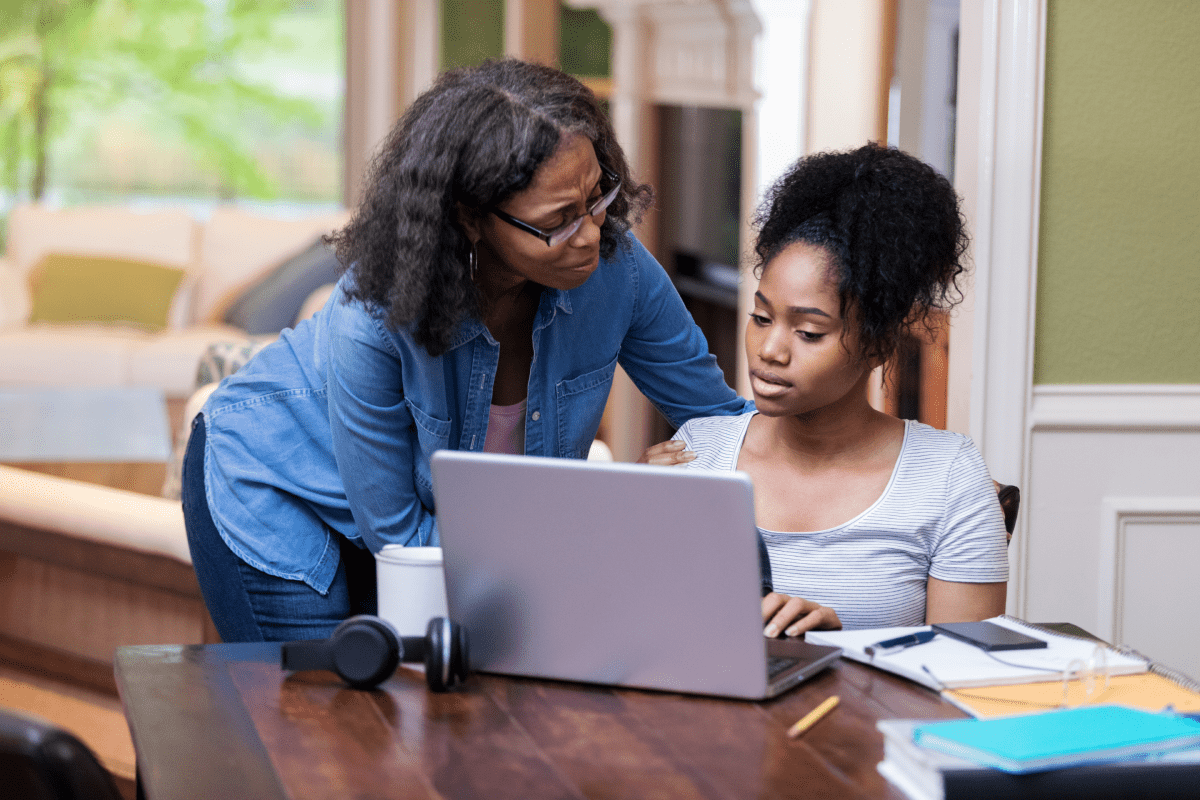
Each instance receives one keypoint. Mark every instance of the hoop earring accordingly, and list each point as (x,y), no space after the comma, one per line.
(473,261)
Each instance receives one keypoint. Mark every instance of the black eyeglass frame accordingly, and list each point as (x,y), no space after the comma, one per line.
(564,232)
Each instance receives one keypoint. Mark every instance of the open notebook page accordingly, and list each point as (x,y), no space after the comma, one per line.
(949,663)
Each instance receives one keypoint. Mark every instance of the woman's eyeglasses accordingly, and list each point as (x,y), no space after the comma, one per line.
(564,232)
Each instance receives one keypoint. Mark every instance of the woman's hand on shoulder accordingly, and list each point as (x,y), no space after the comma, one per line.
(671,453)
(795,615)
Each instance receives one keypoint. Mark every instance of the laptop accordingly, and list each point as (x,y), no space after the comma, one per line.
(609,573)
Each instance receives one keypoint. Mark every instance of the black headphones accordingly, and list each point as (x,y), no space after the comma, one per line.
(365,650)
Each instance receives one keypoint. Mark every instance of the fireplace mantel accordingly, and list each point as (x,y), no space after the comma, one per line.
(682,52)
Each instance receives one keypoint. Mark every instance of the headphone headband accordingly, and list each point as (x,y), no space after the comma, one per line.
(365,650)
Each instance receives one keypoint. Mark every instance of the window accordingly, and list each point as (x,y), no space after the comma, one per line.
(173,102)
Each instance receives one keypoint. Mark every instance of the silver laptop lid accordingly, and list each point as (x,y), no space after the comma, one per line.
(609,573)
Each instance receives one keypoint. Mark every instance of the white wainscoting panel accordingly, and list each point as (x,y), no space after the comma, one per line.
(1111,517)
(1147,575)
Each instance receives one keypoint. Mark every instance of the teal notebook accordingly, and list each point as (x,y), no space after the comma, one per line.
(1053,739)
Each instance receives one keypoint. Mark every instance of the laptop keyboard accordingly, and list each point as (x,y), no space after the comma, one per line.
(777,664)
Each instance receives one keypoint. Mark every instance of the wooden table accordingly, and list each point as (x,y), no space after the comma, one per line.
(224,721)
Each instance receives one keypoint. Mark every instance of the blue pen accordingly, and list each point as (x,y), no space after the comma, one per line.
(899,643)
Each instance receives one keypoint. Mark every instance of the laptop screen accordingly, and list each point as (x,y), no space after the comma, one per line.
(620,574)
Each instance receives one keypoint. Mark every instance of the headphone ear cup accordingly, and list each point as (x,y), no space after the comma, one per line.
(460,664)
(435,656)
(366,651)
(446,657)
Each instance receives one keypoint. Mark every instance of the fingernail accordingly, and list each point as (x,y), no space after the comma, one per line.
(770,631)
(793,631)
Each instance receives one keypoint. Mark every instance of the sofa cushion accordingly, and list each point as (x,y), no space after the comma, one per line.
(237,248)
(105,355)
(222,359)
(67,355)
(168,360)
(274,302)
(14,296)
(75,288)
(162,237)
(315,302)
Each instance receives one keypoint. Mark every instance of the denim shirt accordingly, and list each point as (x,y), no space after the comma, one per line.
(331,428)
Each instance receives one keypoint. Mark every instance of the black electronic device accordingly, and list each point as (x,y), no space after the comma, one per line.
(365,650)
(989,636)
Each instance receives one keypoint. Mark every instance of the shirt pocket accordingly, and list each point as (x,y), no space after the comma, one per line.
(580,405)
(432,434)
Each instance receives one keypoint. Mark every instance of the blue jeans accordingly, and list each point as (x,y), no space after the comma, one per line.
(248,605)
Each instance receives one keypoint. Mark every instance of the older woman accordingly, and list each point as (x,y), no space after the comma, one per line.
(492,289)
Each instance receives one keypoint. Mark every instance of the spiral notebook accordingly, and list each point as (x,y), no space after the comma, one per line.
(946,663)
(1158,689)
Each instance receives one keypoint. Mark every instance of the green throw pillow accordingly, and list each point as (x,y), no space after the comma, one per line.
(70,288)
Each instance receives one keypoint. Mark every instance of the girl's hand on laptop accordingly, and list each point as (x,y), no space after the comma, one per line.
(670,453)
(795,615)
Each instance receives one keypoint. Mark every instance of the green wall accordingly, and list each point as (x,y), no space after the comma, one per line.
(1118,297)
(586,42)
(472,32)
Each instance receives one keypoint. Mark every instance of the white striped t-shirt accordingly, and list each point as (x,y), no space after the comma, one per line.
(938,516)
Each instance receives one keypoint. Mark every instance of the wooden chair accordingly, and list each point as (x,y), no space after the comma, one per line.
(1010,503)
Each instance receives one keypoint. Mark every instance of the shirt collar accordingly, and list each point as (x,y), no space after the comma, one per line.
(562,299)
(553,301)
(468,329)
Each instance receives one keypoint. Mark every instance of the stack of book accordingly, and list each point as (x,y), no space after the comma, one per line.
(1132,730)
(1088,753)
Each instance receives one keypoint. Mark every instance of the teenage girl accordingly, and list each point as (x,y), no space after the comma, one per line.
(869,520)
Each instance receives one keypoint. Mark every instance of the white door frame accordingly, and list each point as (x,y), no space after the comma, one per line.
(998,173)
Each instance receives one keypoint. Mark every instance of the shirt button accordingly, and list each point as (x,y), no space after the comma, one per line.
(535,416)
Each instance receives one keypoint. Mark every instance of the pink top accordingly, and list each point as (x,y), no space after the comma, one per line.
(506,430)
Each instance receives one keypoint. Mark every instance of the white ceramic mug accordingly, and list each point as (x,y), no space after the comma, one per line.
(411,587)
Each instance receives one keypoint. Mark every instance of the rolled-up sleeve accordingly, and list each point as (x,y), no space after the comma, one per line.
(665,353)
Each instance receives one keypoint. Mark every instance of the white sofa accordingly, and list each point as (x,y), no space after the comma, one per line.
(88,568)
(221,255)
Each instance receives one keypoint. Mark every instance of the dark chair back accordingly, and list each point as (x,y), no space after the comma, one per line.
(40,761)
(1010,504)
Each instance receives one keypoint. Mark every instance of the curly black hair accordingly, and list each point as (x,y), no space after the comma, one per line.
(892,227)
(476,137)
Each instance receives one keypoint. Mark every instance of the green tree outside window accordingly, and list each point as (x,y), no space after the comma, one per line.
(184,69)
